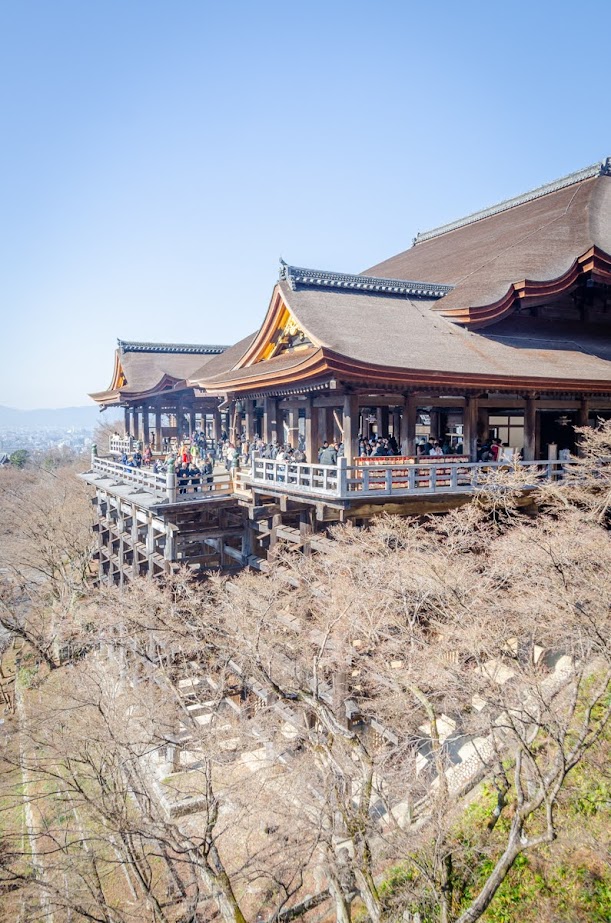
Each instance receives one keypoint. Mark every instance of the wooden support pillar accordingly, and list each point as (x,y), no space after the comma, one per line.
(135,423)
(249,429)
(127,422)
(217,426)
(158,431)
(150,546)
(583,417)
(329,424)
(384,413)
(583,414)
(408,425)
(292,418)
(530,428)
(306,523)
(180,419)
(470,427)
(270,419)
(434,416)
(351,427)
(146,433)
(483,425)
(312,442)
(192,421)
(135,567)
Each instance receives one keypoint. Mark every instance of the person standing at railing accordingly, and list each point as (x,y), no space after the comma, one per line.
(328,456)
(208,471)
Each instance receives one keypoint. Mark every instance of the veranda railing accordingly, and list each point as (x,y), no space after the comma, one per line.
(351,481)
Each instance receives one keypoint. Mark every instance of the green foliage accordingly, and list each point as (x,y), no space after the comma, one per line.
(567,882)
(19,458)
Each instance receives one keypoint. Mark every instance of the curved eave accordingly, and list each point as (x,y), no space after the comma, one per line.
(326,363)
(166,385)
(594,261)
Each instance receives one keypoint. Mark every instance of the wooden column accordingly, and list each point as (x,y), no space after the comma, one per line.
(248,420)
(158,429)
(146,435)
(192,421)
(434,415)
(270,419)
(312,442)
(216,426)
(292,418)
(409,417)
(482,423)
(530,428)
(351,427)
(329,424)
(180,419)
(470,427)
(135,423)
(127,422)
(583,414)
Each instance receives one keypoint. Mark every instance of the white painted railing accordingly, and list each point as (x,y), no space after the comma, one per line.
(167,485)
(349,482)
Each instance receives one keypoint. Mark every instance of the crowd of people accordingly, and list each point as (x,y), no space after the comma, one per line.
(195,457)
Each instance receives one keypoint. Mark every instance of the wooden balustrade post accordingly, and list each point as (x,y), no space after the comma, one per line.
(342,477)
(171,481)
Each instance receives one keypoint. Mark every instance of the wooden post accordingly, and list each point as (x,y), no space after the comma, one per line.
(158,431)
(583,417)
(171,481)
(170,543)
(583,414)
(483,426)
(311,431)
(409,417)
(127,422)
(350,427)
(270,419)
(293,427)
(470,427)
(192,421)
(135,567)
(530,428)
(135,423)
(329,424)
(217,427)
(146,433)
(248,420)
(150,545)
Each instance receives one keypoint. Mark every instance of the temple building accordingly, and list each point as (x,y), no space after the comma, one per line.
(496,323)
(149,382)
(494,326)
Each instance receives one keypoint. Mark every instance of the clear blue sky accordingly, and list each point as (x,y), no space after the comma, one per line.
(158,157)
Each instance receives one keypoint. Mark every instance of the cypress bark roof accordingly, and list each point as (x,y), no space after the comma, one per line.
(538,237)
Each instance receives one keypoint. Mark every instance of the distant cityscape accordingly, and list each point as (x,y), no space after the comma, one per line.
(41,430)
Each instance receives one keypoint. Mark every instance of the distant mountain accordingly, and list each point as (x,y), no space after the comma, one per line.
(60,418)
